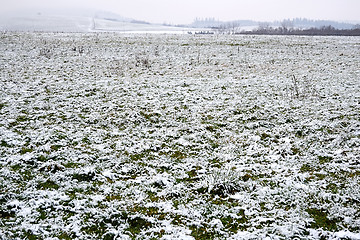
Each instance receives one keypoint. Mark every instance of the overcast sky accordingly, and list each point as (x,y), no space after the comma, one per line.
(184,11)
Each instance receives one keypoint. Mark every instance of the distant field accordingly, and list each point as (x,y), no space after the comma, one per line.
(129,136)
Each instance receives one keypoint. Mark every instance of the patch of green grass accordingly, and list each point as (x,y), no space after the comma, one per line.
(84,177)
(192,173)
(48,184)
(66,236)
(97,229)
(72,165)
(175,154)
(332,187)
(295,150)
(55,147)
(109,236)
(16,167)
(202,190)
(22,118)
(2,105)
(325,159)
(43,214)
(7,214)
(262,206)
(30,236)
(327,130)
(42,158)
(152,196)
(136,225)
(138,156)
(214,144)
(321,220)
(211,128)
(299,134)
(177,219)
(67,214)
(3,143)
(202,232)
(152,117)
(163,169)
(320,176)
(60,135)
(216,162)
(148,211)
(306,168)
(246,177)
(264,136)
(178,155)
(227,202)
(86,140)
(25,173)
(113,197)
(25,150)
(235,224)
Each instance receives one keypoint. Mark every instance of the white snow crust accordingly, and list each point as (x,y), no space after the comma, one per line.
(141,136)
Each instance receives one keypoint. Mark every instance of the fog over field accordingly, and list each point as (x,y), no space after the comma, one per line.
(185,11)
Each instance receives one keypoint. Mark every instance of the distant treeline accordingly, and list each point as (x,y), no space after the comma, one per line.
(322,31)
(296,26)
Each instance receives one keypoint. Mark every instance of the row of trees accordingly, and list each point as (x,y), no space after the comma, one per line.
(297,26)
(286,29)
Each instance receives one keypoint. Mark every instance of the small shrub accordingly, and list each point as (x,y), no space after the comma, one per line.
(222,182)
(46,52)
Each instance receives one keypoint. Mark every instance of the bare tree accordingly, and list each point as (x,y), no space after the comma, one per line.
(287,25)
(234,26)
(264,27)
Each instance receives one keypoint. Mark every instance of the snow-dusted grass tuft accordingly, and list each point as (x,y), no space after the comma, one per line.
(223,182)
(110,136)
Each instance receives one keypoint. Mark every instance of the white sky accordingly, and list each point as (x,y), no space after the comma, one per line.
(185,11)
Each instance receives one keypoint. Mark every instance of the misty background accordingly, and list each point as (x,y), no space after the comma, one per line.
(165,15)
(185,11)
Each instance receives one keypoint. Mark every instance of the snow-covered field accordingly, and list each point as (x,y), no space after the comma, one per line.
(110,136)
(100,25)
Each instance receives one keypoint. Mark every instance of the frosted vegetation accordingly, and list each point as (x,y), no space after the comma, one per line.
(109,136)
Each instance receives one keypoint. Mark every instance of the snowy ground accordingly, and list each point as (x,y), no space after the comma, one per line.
(109,136)
(100,25)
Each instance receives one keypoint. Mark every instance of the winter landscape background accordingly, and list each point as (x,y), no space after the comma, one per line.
(106,135)
(115,128)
